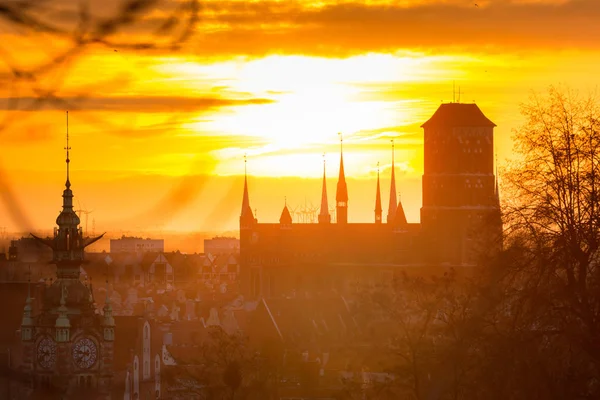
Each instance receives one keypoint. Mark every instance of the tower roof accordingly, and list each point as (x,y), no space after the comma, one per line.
(393,199)
(246,210)
(286,217)
(378,195)
(342,189)
(400,218)
(458,114)
(324,214)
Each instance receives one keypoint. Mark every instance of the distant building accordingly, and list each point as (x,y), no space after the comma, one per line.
(130,244)
(221,245)
(460,215)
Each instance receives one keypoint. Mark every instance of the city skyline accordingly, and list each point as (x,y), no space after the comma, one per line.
(163,127)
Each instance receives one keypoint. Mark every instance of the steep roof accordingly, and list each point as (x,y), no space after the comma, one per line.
(458,115)
(286,217)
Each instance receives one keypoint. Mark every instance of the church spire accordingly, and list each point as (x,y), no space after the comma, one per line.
(378,209)
(341,196)
(324,217)
(393,199)
(246,217)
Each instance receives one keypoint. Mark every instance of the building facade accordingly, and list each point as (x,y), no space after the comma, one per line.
(460,209)
(130,244)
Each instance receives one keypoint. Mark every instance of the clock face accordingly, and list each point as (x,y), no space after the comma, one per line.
(46,353)
(84,353)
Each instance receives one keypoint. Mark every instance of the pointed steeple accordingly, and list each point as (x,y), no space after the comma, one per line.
(341,195)
(392,208)
(400,218)
(324,217)
(246,216)
(378,209)
(286,218)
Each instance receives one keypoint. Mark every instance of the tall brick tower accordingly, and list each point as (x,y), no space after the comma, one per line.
(460,199)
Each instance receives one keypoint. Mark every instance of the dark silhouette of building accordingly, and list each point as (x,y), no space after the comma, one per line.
(67,347)
(460,205)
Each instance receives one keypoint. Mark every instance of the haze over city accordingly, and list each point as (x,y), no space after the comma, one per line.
(151,129)
(299,200)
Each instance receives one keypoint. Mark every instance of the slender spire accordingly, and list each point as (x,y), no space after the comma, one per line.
(393,205)
(246,214)
(67,148)
(286,217)
(378,209)
(400,218)
(324,216)
(342,189)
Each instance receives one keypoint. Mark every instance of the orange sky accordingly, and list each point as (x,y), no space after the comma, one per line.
(158,137)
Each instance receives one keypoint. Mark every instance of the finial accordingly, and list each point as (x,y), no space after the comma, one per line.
(341,141)
(378,168)
(285,200)
(67,148)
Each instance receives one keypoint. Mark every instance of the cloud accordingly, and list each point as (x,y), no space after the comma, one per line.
(351,28)
(147,104)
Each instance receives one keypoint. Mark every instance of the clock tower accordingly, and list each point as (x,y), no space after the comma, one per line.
(68,344)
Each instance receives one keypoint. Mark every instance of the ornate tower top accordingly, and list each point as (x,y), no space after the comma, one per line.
(68,242)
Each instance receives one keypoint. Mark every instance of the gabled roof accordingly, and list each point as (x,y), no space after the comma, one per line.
(451,115)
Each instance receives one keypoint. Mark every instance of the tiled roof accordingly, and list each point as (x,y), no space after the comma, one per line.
(317,322)
(458,115)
